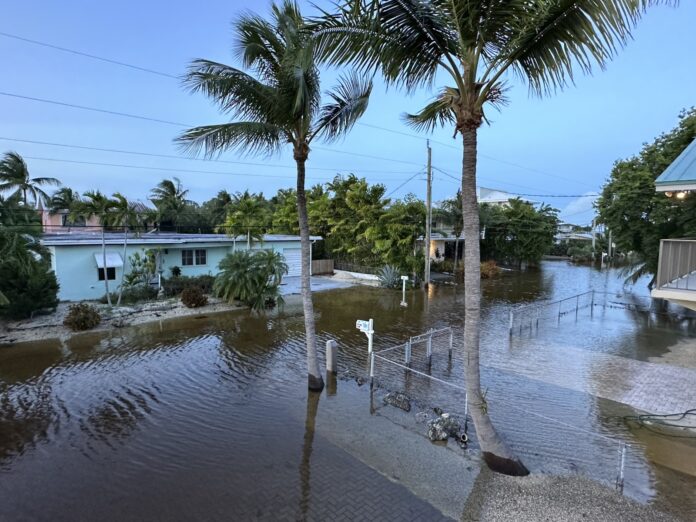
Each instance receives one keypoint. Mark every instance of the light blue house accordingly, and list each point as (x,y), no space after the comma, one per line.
(78,261)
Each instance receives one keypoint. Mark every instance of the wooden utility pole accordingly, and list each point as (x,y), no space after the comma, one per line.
(428,216)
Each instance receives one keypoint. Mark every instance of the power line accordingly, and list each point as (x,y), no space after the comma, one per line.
(404,183)
(362,124)
(189,158)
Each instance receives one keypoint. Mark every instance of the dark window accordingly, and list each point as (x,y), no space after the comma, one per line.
(110,273)
(187,257)
(201,257)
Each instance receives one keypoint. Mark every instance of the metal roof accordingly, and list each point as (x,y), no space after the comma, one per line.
(156,238)
(681,174)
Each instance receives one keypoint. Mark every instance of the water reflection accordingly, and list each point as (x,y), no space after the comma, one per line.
(305,464)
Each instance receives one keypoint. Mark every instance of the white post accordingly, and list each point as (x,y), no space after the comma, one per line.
(407,355)
(403,291)
(451,343)
(369,337)
(331,359)
(622,462)
(372,370)
(511,317)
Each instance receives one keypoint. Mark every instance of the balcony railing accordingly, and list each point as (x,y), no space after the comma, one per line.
(677,266)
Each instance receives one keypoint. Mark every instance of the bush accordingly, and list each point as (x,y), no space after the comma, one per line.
(175,285)
(389,277)
(446,265)
(27,288)
(489,269)
(82,316)
(252,278)
(134,294)
(193,297)
(176,271)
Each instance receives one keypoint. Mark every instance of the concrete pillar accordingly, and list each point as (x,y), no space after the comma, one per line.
(332,357)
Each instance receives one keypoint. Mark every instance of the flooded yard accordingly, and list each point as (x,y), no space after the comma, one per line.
(209,418)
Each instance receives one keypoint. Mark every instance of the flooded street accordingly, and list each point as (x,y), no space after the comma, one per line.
(208,417)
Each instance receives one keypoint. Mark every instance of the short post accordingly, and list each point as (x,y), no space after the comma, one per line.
(403,291)
(560,303)
(372,370)
(430,347)
(622,462)
(510,327)
(366,327)
(592,305)
(370,333)
(407,353)
(577,306)
(331,356)
(451,343)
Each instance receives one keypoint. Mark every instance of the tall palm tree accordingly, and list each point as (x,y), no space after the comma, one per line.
(123,214)
(246,214)
(94,203)
(476,44)
(62,199)
(169,198)
(14,176)
(278,103)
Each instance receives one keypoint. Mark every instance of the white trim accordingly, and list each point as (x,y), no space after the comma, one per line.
(662,187)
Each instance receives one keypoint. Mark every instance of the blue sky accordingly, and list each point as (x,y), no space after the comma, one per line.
(565,144)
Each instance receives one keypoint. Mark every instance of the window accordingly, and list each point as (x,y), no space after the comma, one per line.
(194,257)
(110,273)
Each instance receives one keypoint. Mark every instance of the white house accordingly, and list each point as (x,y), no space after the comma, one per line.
(78,261)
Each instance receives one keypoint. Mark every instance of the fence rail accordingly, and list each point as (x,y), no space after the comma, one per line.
(677,265)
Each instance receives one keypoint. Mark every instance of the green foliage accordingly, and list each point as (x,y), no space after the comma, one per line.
(193,297)
(489,269)
(251,277)
(29,287)
(175,271)
(143,268)
(175,285)
(14,177)
(82,316)
(637,215)
(389,277)
(137,293)
(581,252)
(247,215)
(517,233)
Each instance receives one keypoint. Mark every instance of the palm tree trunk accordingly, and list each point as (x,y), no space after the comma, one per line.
(314,378)
(496,453)
(105,270)
(123,269)
(456,251)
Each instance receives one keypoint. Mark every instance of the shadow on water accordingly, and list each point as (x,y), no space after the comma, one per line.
(305,464)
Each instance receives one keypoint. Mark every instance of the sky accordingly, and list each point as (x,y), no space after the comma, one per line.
(563,145)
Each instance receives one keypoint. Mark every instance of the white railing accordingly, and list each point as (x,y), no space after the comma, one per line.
(677,265)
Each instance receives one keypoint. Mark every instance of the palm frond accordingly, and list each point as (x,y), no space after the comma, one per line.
(545,46)
(350,99)
(437,113)
(247,136)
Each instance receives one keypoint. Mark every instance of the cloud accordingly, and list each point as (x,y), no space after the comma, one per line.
(579,207)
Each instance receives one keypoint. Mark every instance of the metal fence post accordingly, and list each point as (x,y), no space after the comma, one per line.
(560,303)
(372,369)
(592,305)
(407,353)
(622,462)
(451,343)
(511,319)
(430,346)
(577,306)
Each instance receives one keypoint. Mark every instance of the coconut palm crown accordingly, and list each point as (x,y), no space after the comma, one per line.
(14,176)
(277,103)
(475,45)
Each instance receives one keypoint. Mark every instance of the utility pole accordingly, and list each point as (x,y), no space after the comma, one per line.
(428,216)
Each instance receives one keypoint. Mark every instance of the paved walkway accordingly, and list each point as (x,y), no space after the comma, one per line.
(650,387)
(292,285)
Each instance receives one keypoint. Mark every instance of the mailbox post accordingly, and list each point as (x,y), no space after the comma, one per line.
(403,291)
(367,328)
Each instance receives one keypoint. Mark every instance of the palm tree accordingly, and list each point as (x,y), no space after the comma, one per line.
(123,214)
(246,214)
(169,198)
(94,203)
(62,199)
(14,176)
(476,44)
(279,103)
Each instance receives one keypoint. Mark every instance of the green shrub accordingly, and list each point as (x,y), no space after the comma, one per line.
(28,288)
(193,297)
(176,271)
(175,285)
(134,294)
(389,277)
(82,316)
(252,278)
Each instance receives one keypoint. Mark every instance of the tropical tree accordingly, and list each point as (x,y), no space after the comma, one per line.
(124,214)
(171,203)
(214,211)
(62,199)
(476,44)
(251,277)
(14,214)
(247,214)
(94,203)
(639,217)
(278,102)
(14,177)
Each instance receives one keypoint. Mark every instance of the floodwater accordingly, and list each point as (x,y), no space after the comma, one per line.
(209,418)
